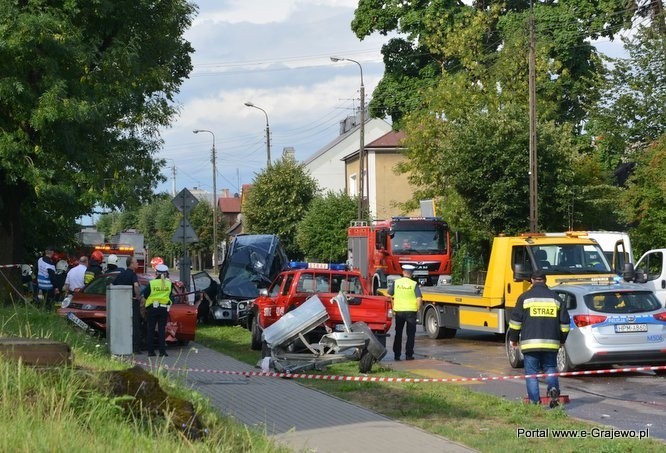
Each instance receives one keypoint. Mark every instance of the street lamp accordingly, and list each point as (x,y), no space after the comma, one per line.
(212,159)
(268,133)
(361,152)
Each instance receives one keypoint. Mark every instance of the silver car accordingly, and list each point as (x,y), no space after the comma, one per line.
(611,324)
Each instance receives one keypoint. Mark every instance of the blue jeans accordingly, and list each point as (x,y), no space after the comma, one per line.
(535,362)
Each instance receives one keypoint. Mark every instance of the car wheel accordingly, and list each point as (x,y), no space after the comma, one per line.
(365,364)
(255,342)
(432,327)
(515,355)
(563,362)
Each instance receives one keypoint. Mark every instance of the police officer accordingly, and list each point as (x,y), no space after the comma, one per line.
(158,300)
(541,322)
(406,303)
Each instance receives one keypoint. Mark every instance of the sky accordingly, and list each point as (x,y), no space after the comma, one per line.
(275,54)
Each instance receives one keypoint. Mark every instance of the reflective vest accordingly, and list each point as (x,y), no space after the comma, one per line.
(43,279)
(404,298)
(160,292)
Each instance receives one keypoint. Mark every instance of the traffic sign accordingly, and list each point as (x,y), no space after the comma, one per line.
(185,201)
(185,233)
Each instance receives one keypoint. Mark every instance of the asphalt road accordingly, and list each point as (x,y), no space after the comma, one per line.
(635,401)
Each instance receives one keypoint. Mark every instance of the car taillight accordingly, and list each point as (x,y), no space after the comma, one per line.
(587,320)
(660,316)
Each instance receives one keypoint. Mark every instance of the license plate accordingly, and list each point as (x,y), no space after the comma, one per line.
(623,328)
(423,272)
(76,320)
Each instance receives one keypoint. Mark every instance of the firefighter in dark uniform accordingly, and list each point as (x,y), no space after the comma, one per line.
(541,322)
(406,303)
(158,300)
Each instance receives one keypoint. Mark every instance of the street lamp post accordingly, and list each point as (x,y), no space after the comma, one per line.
(268,133)
(212,159)
(361,151)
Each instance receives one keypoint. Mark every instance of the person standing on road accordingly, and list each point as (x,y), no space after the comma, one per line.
(128,277)
(158,301)
(540,322)
(406,303)
(75,280)
(112,263)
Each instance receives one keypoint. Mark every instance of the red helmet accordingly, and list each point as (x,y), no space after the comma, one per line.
(156,262)
(97,256)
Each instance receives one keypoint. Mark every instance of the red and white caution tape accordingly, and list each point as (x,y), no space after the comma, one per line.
(328,377)
(3,266)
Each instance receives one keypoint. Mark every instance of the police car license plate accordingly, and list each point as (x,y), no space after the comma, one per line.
(624,328)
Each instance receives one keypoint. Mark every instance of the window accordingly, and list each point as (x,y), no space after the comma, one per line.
(623,302)
(353,186)
(275,289)
(568,299)
(287,285)
(306,284)
(651,266)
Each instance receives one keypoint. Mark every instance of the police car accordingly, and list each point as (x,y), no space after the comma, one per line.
(612,323)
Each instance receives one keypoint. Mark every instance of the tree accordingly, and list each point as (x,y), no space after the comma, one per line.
(84,88)
(644,202)
(278,200)
(632,113)
(322,234)
(449,36)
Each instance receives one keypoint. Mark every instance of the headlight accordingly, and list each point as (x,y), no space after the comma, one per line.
(66,301)
(242,305)
(224,303)
(88,307)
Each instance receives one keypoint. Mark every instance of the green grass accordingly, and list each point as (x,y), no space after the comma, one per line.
(475,419)
(59,409)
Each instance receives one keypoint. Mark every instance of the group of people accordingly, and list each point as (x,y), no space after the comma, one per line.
(55,279)
(539,325)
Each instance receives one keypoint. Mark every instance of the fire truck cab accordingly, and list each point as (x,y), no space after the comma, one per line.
(379,250)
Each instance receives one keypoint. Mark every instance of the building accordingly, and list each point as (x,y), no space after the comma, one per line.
(327,166)
(384,188)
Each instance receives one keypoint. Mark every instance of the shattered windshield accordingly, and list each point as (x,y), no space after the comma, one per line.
(570,259)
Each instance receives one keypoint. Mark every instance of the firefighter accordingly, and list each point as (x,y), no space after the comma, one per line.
(540,322)
(112,263)
(94,266)
(157,301)
(406,303)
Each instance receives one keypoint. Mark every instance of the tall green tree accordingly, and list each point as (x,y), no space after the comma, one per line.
(322,233)
(277,202)
(632,112)
(644,202)
(84,87)
(436,36)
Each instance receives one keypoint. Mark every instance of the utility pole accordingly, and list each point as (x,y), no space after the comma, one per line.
(534,208)
(173,176)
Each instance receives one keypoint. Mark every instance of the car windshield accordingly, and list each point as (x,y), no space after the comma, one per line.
(570,259)
(622,302)
(419,242)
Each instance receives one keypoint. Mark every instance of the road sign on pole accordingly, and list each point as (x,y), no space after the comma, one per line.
(185,201)
(185,233)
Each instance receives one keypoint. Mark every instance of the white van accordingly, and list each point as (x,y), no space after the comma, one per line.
(616,246)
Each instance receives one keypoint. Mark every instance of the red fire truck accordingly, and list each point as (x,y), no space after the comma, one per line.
(379,250)
(121,251)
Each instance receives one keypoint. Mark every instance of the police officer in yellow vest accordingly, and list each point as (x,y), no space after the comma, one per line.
(158,300)
(406,303)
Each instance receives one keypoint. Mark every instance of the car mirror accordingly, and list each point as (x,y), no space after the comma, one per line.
(520,273)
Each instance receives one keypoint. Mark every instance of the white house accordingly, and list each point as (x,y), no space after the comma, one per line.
(327,166)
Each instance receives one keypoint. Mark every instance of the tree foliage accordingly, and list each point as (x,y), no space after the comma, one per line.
(83,90)
(633,114)
(644,203)
(450,36)
(278,200)
(322,234)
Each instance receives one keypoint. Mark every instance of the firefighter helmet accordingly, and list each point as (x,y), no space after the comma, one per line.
(97,256)
(112,259)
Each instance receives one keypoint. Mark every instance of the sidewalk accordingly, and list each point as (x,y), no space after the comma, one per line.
(295,416)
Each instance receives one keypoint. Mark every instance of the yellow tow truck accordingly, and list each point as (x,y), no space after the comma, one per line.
(565,258)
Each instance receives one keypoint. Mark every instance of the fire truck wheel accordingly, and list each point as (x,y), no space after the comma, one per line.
(514,355)
(365,364)
(255,342)
(378,281)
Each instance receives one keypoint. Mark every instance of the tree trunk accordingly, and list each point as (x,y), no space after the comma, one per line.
(12,248)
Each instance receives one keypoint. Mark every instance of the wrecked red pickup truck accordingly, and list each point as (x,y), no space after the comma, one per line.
(293,287)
